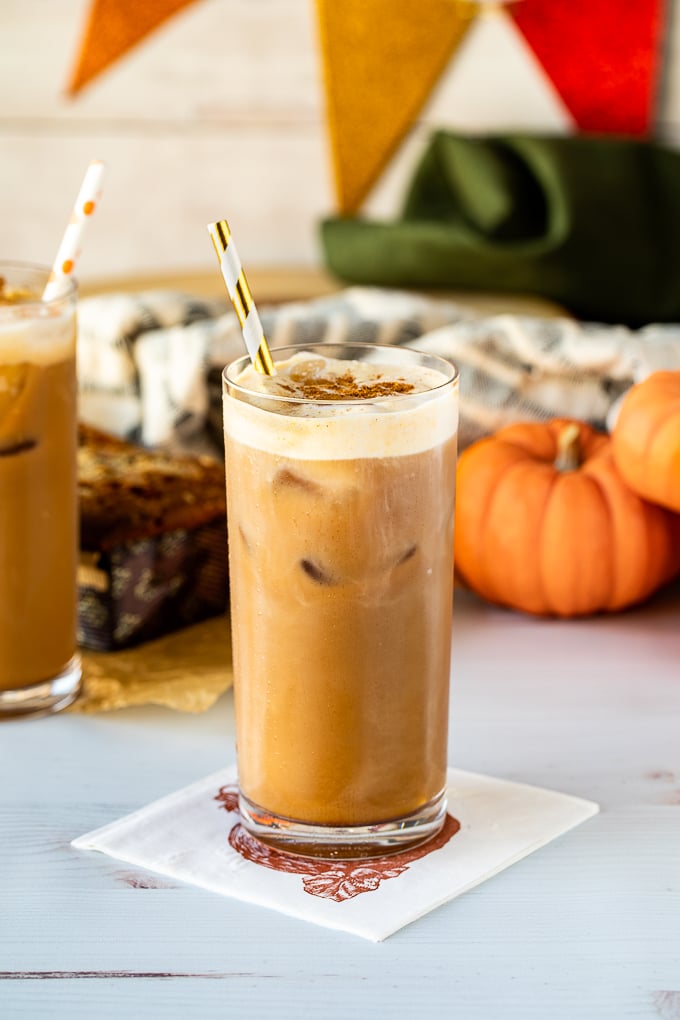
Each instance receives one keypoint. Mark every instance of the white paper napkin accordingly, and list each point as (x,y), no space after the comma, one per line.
(195,835)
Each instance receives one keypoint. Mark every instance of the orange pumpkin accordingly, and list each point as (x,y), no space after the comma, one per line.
(544,523)
(646,439)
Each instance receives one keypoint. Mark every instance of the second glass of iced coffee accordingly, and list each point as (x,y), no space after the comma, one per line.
(340,484)
(39,665)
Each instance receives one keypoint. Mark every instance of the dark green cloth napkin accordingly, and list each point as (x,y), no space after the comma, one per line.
(593,223)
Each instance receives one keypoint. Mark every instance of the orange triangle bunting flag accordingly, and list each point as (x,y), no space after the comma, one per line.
(114,27)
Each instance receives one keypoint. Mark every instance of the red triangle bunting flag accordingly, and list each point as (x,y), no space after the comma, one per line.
(602,56)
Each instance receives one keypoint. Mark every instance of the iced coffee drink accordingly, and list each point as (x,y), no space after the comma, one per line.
(38,521)
(340,487)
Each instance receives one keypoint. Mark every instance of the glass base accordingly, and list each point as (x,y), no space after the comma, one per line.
(351,842)
(45,697)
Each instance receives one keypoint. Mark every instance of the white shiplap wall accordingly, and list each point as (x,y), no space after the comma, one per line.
(220,112)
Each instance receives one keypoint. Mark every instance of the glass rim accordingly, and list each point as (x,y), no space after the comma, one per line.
(71,290)
(440,364)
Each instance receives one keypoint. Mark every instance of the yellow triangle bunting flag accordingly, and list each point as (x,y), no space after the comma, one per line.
(381,60)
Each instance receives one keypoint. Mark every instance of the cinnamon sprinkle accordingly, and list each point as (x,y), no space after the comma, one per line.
(344,387)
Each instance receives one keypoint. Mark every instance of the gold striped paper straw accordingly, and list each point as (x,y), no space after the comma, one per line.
(241,298)
(70,247)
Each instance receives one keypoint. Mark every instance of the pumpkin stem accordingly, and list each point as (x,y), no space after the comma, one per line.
(568,449)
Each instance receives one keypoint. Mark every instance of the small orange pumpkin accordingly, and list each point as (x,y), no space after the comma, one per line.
(545,524)
(646,439)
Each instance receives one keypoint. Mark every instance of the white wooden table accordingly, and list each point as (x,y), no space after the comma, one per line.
(588,927)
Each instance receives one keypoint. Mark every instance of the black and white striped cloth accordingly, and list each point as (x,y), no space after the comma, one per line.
(150,364)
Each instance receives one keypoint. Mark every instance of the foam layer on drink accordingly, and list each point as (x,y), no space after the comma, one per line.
(35,335)
(334,409)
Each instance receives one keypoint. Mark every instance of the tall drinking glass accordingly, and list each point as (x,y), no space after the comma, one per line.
(340,487)
(39,667)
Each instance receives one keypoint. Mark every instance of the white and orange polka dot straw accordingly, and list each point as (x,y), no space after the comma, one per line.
(70,247)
